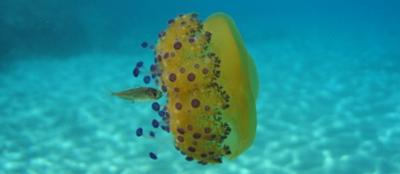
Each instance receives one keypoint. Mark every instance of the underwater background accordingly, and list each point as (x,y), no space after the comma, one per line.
(329,74)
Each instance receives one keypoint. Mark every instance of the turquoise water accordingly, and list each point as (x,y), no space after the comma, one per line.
(329,75)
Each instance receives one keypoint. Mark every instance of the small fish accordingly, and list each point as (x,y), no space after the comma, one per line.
(139,94)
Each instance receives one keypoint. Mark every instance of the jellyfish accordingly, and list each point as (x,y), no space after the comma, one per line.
(211,85)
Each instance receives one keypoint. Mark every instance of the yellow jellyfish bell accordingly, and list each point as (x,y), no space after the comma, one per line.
(212,86)
(239,76)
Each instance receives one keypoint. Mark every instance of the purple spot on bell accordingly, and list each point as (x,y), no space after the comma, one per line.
(139,64)
(152,134)
(165,128)
(152,155)
(161,113)
(155,123)
(195,103)
(172,77)
(135,72)
(146,79)
(191,77)
(177,45)
(182,70)
(178,106)
(189,158)
(139,132)
(155,106)
(144,44)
